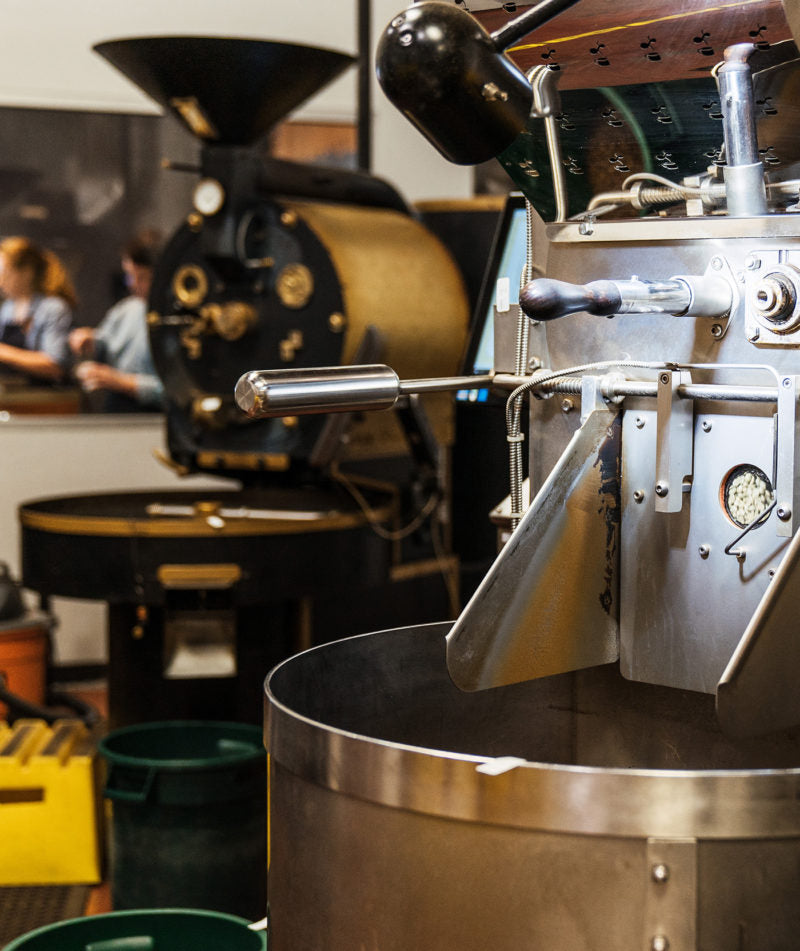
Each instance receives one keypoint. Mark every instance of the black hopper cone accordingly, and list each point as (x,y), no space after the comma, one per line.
(227,91)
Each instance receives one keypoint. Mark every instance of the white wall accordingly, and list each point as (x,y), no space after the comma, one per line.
(47,61)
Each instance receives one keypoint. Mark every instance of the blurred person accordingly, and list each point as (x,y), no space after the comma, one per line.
(116,359)
(36,315)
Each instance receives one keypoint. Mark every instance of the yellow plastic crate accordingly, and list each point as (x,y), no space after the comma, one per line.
(50,828)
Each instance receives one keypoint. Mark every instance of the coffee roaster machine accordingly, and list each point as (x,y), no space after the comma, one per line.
(328,524)
(603,751)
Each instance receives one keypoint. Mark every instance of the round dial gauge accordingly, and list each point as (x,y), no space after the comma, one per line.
(208,196)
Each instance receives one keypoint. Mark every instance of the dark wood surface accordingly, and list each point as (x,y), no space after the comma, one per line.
(603,43)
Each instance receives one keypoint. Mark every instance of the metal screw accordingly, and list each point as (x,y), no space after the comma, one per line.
(491,92)
(638,495)
(716,263)
(705,551)
(337,322)
(752,263)
(717,331)
(786,381)
(639,422)
(567,406)
(662,489)
(659,942)
(586,226)
(754,334)
(771,572)
(740,277)
(706,426)
(784,513)
(664,377)
(660,873)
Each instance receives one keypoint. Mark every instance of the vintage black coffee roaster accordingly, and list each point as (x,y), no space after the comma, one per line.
(278,264)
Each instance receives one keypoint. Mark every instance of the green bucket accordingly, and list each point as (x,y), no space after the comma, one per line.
(172,929)
(189,816)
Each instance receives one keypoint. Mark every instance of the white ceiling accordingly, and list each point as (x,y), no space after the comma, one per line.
(46,57)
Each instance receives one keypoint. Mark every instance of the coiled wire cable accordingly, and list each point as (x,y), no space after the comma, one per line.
(515,465)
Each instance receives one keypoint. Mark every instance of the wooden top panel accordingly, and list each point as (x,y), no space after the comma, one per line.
(600,43)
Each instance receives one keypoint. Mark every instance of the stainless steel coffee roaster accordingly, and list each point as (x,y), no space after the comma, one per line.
(278,264)
(603,750)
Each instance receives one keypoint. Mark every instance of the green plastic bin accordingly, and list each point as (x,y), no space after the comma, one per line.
(168,929)
(189,823)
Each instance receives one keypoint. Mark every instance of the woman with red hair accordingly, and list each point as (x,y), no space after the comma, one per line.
(36,315)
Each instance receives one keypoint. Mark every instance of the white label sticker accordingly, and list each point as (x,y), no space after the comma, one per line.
(503,294)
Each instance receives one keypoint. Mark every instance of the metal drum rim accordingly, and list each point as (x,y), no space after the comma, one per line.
(545,797)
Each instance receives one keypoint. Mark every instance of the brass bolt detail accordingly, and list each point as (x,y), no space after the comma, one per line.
(294,286)
(290,345)
(337,322)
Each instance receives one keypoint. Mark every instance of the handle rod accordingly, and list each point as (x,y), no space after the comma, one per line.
(528,21)
(683,295)
(263,394)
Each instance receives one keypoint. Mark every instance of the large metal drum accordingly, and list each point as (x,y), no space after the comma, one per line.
(623,818)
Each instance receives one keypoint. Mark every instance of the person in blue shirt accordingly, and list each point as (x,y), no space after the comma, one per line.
(116,362)
(36,314)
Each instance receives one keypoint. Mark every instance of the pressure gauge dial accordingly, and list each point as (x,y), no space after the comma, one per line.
(208,196)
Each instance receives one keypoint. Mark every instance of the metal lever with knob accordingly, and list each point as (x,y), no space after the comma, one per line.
(686,295)
(268,393)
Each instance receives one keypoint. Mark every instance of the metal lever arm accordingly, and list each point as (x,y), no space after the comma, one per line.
(267,393)
(706,296)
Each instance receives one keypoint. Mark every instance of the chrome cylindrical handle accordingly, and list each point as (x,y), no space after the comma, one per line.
(266,393)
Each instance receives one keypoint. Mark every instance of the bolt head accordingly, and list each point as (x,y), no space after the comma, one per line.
(784,513)
(639,422)
(704,550)
(716,263)
(660,872)
(707,426)
(662,489)
(567,405)
(717,331)
(638,496)
(752,263)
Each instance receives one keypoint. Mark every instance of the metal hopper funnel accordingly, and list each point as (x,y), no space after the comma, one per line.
(227,91)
